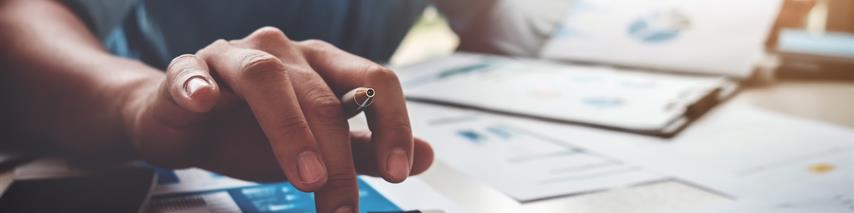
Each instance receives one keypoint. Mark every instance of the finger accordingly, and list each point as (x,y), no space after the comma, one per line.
(364,156)
(263,81)
(322,109)
(183,97)
(232,160)
(387,116)
(188,91)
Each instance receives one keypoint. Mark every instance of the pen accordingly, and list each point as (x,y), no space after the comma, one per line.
(357,100)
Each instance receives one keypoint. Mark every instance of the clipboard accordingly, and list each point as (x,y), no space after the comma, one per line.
(589,95)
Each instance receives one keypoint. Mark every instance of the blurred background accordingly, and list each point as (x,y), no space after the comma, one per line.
(432,36)
(827,23)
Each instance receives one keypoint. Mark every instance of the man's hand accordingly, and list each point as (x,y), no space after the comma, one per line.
(266,108)
(261,108)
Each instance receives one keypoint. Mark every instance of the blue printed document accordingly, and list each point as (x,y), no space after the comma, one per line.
(197,190)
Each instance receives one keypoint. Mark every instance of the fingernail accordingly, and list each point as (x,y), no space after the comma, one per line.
(195,84)
(310,168)
(398,164)
(344,209)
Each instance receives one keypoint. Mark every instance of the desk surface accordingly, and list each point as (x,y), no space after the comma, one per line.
(831,102)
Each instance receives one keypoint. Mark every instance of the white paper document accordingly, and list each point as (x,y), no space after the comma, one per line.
(821,184)
(758,158)
(595,95)
(740,149)
(519,161)
(723,37)
(736,149)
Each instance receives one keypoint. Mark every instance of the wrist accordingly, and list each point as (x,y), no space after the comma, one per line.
(130,98)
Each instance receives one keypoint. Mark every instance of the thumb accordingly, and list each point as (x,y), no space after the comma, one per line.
(164,128)
(187,93)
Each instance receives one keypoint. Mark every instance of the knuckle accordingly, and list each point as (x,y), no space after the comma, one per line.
(212,48)
(299,71)
(260,65)
(219,42)
(402,127)
(270,35)
(346,178)
(293,123)
(381,74)
(317,44)
(182,62)
(271,31)
(324,104)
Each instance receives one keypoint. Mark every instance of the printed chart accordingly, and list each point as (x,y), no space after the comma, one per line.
(196,190)
(524,164)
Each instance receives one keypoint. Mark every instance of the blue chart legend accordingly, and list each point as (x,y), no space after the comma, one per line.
(659,26)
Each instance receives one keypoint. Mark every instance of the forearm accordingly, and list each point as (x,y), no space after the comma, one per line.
(517,28)
(60,84)
(469,20)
